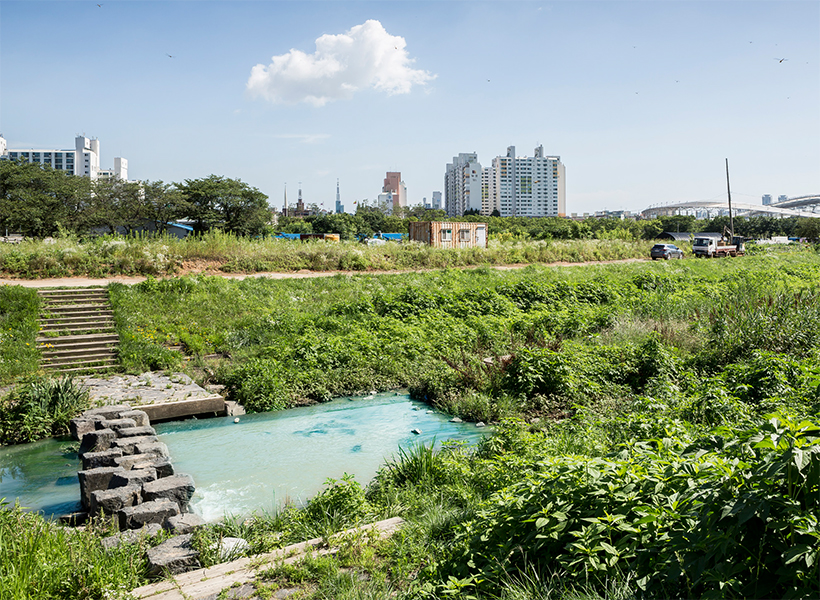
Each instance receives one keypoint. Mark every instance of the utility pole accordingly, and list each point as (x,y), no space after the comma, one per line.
(729,192)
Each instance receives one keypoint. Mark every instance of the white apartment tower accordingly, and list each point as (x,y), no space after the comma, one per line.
(83,160)
(462,184)
(525,186)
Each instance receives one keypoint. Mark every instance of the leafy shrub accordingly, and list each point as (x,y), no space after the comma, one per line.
(257,385)
(40,409)
(734,515)
(342,503)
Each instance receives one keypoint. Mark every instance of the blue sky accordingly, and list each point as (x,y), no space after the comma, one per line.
(642,101)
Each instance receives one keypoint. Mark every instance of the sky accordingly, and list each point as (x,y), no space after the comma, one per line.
(643,101)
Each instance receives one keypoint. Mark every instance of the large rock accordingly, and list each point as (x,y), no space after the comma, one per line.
(113,411)
(177,488)
(106,458)
(129,444)
(173,556)
(181,524)
(95,479)
(81,425)
(137,431)
(153,448)
(97,441)
(130,536)
(163,466)
(113,500)
(133,477)
(139,416)
(117,424)
(155,511)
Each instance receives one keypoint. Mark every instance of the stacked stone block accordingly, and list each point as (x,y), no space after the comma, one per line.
(126,469)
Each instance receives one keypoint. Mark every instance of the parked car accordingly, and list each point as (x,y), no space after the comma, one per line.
(666,251)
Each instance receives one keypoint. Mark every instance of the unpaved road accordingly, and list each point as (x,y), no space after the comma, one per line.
(303,274)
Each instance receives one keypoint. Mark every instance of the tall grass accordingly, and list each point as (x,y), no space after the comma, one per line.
(18,329)
(40,559)
(165,255)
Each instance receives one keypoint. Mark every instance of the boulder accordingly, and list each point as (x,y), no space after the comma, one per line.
(137,431)
(92,480)
(106,458)
(153,449)
(173,556)
(163,466)
(130,536)
(154,511)
(107,412)
(181,524)
(133,477)
(176,488)
(97,441)
(129,444)
(116,424)
(140,417)
(113,500)
(81,425)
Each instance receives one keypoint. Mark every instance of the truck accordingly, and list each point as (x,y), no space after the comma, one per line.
(711,247)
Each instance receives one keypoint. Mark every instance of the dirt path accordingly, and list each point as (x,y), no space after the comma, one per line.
(303,274)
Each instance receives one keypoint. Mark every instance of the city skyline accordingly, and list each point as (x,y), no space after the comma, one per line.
(642,101)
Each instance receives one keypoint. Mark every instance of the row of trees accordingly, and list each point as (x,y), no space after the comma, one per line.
(40,201)
(370,221)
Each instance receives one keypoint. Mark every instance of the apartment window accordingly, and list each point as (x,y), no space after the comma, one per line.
(446,235)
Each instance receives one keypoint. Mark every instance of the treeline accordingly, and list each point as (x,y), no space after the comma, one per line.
(368,221)
(40,201)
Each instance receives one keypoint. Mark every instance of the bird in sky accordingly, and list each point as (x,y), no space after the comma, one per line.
(169,56)
(100,5)
(780,60)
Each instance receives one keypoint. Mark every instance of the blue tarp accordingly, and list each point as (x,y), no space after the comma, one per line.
(289,236)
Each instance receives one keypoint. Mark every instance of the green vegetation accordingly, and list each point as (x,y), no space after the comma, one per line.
(40,559)
(19,308)
(39,409)
(657,431)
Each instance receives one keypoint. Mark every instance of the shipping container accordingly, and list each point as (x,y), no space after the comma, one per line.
(444,234)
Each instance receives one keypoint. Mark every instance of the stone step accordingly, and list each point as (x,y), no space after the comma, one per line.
(82,350)
(78,312)
(79,290)
(90,356)
(68,340)
(78,328)
(86,369)
(80,364)
(70,320)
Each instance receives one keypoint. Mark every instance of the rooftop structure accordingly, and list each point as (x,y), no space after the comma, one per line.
(83,160)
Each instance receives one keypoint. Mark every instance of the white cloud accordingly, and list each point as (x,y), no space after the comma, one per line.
(364,57)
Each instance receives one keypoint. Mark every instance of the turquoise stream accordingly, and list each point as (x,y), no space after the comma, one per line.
(257,464)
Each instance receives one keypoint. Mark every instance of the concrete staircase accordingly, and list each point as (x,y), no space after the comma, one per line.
(77,330)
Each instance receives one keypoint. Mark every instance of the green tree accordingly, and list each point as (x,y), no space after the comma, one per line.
(164,204)
(36,200)
(117,205)
(227,204)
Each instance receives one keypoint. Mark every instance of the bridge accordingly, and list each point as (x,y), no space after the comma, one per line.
(799,206)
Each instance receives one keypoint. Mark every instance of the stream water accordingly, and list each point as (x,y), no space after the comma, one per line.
(257,464)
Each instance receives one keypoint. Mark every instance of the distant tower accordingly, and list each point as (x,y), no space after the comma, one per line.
(339,207)
(285,208)
(300,206)
(767,199)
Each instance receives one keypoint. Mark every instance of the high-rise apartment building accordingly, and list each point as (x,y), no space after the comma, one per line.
(436,201)
(83,160)
(767,199)
(518,186)
(395,186)
(462,185)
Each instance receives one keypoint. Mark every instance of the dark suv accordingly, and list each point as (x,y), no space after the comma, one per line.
(666,251)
